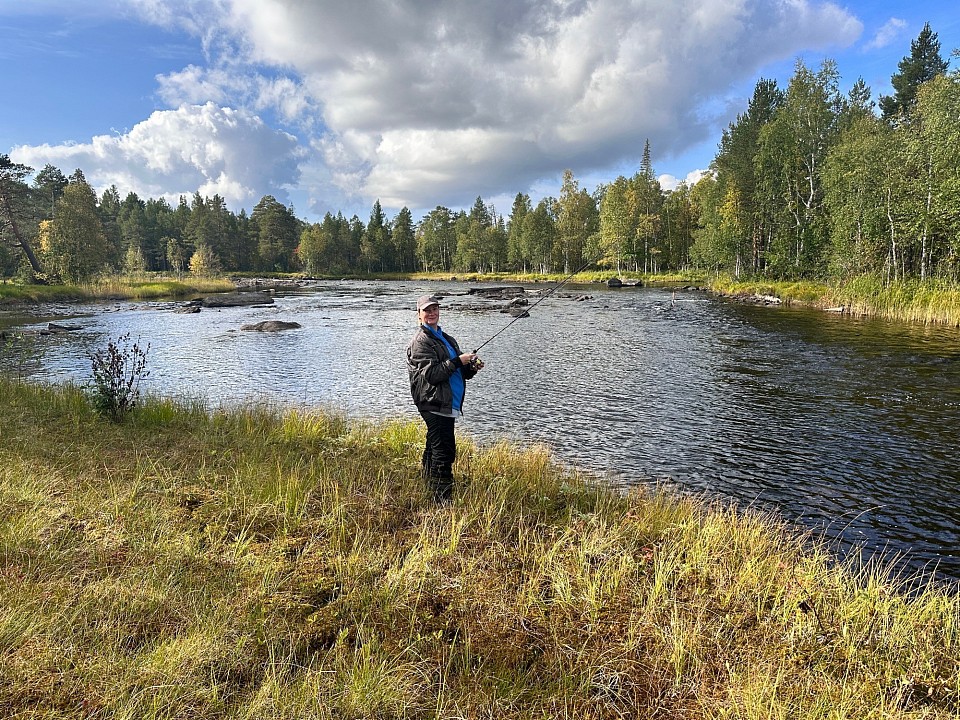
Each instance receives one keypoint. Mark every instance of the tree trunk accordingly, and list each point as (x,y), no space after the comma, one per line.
(28,251)
(926,231)
(893,238)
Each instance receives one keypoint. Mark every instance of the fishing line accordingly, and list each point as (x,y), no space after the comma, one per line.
(543,297)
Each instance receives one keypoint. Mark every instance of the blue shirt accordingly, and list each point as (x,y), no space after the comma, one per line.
(457,384)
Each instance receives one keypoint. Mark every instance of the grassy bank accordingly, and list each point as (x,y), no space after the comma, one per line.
(259,564)
(110,288)
(930,302)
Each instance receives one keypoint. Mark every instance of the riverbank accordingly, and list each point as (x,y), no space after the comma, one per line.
(257,563)
(111,288)
(929,302)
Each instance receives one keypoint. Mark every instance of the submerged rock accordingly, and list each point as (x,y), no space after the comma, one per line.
(57,328)
(272,326)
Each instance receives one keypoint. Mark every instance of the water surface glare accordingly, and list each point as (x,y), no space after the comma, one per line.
(847,426)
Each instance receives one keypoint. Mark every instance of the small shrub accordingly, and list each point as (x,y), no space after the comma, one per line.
(117,373)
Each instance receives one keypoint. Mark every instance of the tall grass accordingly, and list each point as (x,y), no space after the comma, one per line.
(146,286)
(252,563)
(789,291)
(931,302)
(140,287)
(928,301)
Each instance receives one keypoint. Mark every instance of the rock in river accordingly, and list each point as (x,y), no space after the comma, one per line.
(272,326)
(498,292)
(237,299)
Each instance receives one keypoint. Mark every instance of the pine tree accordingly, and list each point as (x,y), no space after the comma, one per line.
(13,193)
(404,241)
(49,183)
(515,243)
(278,233)
(924,63)
(375,245)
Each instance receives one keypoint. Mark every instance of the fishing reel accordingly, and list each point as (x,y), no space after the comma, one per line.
(476,363)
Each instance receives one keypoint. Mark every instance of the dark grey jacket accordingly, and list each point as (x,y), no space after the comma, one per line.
(430,367)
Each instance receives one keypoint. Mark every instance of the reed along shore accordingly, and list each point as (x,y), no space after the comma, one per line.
(264,563)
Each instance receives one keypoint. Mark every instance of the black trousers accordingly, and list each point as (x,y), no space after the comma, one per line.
(439,453)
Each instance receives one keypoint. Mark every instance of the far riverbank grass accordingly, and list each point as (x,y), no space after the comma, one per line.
(928,302)
(113,288)
(253,563)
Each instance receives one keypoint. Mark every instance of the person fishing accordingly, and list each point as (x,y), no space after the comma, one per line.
(438,374)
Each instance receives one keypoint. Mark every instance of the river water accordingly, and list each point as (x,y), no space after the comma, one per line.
(846,426)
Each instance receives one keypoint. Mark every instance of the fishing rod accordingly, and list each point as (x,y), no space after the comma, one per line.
(543,297)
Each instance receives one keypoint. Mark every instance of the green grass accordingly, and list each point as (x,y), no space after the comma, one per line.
(141,287)
(931,302)
(148,287)
(928,302)
(253,563)
(12,294)
(789,291)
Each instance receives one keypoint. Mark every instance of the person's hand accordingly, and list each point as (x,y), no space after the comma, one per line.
(467,358)
(475,362)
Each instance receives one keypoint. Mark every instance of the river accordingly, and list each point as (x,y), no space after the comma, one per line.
(847,426)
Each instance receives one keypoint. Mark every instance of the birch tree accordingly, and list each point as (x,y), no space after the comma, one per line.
(791,150)
(74,244)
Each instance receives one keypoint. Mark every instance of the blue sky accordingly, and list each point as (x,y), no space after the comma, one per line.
(330,105)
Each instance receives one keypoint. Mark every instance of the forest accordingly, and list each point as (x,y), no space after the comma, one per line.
(807,182)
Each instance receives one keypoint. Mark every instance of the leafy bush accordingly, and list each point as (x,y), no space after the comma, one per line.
(117,373)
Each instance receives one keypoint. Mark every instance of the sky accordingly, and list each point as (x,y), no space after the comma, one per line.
(330,105)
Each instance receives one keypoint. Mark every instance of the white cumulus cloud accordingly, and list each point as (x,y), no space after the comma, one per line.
(204,148)
(432,103)
(424,103)
(891,30)
(670,182)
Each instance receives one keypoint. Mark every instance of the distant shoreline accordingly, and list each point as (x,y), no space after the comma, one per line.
(929,302)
